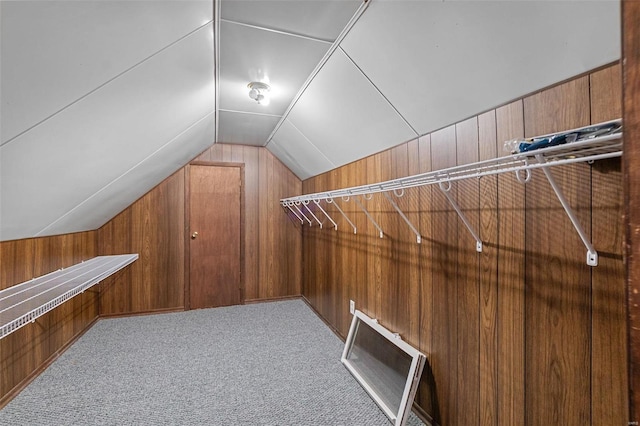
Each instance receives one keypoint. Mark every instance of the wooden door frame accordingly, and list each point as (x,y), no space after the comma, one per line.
(187,227)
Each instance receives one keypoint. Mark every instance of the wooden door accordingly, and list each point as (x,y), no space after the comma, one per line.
(214,220)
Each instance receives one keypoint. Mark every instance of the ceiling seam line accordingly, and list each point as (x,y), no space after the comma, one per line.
(104,84)
(272,30)
(379,91)
(312,144)
(356,16)
(249,112)
(125,173)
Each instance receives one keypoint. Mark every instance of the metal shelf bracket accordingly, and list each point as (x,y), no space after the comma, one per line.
(335,225)
(369,216)
(592,254)
(305,203)
(445,190)
(403,216)
(288,205)
(295,204)
(329,201)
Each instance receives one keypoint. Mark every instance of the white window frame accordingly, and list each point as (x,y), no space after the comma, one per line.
(413,377)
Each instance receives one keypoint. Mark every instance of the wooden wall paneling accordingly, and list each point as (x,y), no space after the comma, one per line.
(140,243)
(342,257)
(371,240)
(316,256)
(216,152)
(277,275)
(445,286)
(558,380)
(488,279)
(76,257)
(410,205)
(606,94)
(115,291)
(251,220)
(32,346)
(61,325)
(389,292)
(172,234)
(360,242)
(325,256)
(38,332)
(394,283)
(281,266)
(511,277)
(153,227)
(309,287)
(186,230)
(90,299)
(364,293)
(334,293)
(16,349)
(164,246)
(267,227)
(227,153)
(467,271)
(237,153)
(295,242)
(427,395)
(631,170)
(609,359)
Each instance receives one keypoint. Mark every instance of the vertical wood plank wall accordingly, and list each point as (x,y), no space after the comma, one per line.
(154,227)
(24,352)
(631,166)
(524,332)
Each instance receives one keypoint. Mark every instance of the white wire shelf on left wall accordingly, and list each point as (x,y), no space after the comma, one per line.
(24,303)
(588,150)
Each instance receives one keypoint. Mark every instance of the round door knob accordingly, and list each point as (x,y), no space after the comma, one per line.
(194,235)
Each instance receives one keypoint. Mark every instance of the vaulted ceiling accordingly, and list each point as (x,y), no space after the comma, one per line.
(102,100)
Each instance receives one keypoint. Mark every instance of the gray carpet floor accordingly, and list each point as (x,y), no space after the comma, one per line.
(263,364)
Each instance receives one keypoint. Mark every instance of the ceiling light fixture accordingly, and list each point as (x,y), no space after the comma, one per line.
(259,92)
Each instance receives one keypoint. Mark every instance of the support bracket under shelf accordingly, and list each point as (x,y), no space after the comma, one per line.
(592,254)
(306,206)
(288,205)
(296,204)
(369,216)
(403,216)
(445,190)
(329,201)
(317,203)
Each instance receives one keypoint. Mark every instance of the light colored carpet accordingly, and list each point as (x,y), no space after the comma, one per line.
(264,364)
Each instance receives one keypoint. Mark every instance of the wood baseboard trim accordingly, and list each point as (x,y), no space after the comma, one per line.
(141,313)
(423,415)
(331,327)
(271,299)
(6,398)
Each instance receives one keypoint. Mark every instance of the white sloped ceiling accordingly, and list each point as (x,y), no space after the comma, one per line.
(100,102)
(422,65)
(274,42)
(459,58)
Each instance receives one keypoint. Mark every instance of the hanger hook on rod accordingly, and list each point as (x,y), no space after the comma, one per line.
(399,194)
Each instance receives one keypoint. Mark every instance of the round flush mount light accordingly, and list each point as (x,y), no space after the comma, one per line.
(259,92)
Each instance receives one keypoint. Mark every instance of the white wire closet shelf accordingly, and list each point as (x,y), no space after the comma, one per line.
(23,303)
(588,149)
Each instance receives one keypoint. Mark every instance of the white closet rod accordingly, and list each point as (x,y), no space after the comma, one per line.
(586,150)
